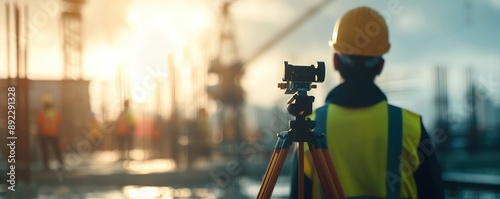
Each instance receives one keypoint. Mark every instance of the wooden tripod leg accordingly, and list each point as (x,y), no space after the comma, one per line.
(267,175)
(328,174)
(333,171)
(321,173)
(277,171)
(272,173)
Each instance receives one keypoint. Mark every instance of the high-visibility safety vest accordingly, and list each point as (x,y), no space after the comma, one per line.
(48,123)
(379,150)
(375,159)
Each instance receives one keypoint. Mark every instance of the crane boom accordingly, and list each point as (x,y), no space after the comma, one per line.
(286,31)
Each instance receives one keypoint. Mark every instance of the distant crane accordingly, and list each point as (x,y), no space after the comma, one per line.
(75,106)
(72,38)
(229,67)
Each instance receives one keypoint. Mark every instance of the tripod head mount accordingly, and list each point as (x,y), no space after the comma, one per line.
(300,104)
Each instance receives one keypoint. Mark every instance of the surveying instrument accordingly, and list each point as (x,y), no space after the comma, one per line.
(299,80)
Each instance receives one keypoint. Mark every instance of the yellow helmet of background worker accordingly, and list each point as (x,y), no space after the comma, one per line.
(361,31)
(46,99)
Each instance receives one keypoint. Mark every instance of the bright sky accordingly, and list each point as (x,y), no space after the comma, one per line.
(138,34)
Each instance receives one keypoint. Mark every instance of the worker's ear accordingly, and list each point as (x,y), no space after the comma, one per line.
(380,66)
(335,61)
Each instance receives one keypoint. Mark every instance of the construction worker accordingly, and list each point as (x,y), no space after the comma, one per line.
(124,130)
(94,127)
(379,150)
(48,123)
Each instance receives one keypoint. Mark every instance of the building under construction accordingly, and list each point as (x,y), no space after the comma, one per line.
(70,98)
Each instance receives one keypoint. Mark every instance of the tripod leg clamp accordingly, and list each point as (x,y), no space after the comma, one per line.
(320,140)
(283,140)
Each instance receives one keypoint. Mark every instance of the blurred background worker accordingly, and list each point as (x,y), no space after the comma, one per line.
(49,122)
(124,130)
(94,128)
(379,150)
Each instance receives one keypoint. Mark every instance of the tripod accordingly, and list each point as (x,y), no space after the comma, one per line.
(301,130)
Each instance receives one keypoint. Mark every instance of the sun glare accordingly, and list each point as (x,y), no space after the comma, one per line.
(157,30)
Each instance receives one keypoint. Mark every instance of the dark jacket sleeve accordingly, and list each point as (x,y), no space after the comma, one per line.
(428,174)
(294,189)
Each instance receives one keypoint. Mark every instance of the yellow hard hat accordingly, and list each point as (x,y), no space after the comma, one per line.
(46,99)
(361,31)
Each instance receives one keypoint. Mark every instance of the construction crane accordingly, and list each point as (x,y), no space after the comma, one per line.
(229,67)
(227,63)
(72,38)
(75,97)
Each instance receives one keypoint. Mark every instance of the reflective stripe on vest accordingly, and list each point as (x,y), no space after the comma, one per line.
(394,138)
(394,148)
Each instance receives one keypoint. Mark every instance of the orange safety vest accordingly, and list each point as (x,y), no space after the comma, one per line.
(48,123)
(124,124)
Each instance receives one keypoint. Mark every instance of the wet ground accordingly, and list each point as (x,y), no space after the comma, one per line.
(103,175)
